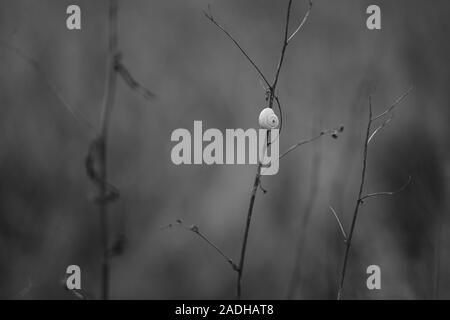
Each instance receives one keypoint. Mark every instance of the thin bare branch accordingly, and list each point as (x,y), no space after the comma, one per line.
(302,22)
(341,227)
(273,87)
(213,20)
(271,96)
(240,269)
(361,198)
(257,181)
(384,124)
(391,193)
(397,102)
(194,229)
(229,260)
(277,99)
(358,203)
(333,132)
(303,142)
(108,105)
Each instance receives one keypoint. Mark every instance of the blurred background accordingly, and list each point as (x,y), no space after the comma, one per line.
(295,249)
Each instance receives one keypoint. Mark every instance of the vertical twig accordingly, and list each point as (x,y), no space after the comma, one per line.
(107,192)
(361,198)
(271,90)
(247,229)
(96,160)
(257,181)
(108,104)
(358,202)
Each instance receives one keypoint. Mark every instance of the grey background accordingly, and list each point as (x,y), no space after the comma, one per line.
(47,221)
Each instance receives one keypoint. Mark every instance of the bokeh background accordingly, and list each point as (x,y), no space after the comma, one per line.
(47,221)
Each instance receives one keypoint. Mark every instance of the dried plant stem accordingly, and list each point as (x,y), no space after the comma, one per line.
(229,35)
(302,22)
(386,193)
(303,142)
(108,104)
(107,192)
(271,91)
(96,160)
(358,203)
(257,180)
(240,271)
(360,199)
(194,229)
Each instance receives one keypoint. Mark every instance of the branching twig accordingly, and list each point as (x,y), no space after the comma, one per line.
(377,194)
(358,202)
(301,23)
(360,198)
(196,231)
(381,126)
(284,47)
(400,99)
(282,55)
(271,90)
(333,132)
(257,180)
(213,20)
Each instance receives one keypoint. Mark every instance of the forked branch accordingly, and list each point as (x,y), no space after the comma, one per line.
(271,96)
(302,22)
(391,193)
(361,198)
(229,35)
(396,103)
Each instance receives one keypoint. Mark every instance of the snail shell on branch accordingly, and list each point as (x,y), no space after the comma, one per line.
(268,119)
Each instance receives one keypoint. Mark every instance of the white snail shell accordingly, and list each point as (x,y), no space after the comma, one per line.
(268,119)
